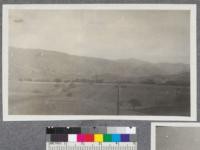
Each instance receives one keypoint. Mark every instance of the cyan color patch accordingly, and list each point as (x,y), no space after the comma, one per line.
(116,138)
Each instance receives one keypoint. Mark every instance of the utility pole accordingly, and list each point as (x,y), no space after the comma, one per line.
(118,96)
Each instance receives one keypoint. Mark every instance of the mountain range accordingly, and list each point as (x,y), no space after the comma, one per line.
(44,65)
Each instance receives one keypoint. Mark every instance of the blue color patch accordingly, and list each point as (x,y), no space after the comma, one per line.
(116,138)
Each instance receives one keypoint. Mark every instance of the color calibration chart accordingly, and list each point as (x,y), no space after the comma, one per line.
(91,138)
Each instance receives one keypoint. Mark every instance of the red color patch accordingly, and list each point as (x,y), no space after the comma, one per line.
(89,138)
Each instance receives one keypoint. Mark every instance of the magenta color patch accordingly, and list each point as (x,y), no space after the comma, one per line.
(80,138)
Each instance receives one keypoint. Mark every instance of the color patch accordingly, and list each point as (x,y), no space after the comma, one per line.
(133,137)
(121,130)
(98,137)
(125,138)
(89,138)
(116,138)
(73,130)
(50,130)
(72,137)
(107,138)
(63,130)
(131,130)
(59,138)
(80,137)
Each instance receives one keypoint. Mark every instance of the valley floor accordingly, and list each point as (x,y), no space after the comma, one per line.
(76,98)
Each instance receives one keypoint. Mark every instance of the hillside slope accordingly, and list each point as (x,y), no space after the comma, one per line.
(37,64)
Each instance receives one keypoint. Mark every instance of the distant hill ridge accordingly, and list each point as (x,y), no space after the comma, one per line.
(37,64)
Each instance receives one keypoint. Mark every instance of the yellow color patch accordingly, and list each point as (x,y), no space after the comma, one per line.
(98,137)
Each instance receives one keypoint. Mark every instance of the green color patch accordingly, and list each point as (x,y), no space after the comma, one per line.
(107,137)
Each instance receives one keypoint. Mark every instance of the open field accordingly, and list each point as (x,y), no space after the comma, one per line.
(76,98)
(155,100)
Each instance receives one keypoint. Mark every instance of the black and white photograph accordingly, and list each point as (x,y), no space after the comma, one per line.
(176,136)
(99,61)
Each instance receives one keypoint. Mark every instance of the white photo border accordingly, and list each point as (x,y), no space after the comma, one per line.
(193,60)
(154,125)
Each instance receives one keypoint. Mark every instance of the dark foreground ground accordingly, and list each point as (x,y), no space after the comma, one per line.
(57,98)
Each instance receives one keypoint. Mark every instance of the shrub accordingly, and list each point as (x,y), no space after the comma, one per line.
(135,103)
(29,79)
(36,91)
(148,81)
(72,85)
(69,94)
(57,80)
(56,85)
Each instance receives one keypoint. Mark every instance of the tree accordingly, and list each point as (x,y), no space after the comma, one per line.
(135,103)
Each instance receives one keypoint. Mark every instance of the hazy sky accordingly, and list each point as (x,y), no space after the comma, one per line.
(154,36)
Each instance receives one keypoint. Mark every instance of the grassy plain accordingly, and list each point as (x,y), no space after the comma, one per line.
(77,98)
